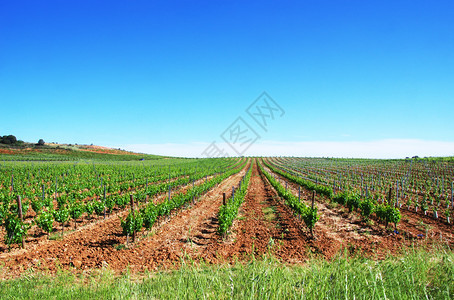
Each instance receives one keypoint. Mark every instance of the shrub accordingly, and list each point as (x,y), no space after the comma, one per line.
(353,202)
(366,208)
(8,139)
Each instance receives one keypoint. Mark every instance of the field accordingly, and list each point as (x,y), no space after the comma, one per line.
(207,218)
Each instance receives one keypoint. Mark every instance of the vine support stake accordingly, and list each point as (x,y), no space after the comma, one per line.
(19,204)
(131,198)
(104,202)
(390,195)
(223,198)
(313,199)
(56,187)
(452,198)
(397,193)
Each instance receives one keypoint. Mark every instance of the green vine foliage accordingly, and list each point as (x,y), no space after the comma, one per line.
(388,214)
(89,208)
(320,189)
(110,203)
(3,212)
(15,230)
(45,221)
(150,215)
(37,205)
(367,207)
(384,212)
(353,202)
(99,207)
(309,215)
(229,211)
(61,215)
(133,222)
(76,210)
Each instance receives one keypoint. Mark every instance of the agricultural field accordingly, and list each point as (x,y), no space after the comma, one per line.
(151,215)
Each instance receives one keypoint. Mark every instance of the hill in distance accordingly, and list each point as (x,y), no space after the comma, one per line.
(18,150)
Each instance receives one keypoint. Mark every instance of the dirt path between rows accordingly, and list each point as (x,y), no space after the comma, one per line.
(264,226)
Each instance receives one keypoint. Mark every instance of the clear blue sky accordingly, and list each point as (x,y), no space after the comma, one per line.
(157,72)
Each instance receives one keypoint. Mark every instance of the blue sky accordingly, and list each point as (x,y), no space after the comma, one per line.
(157,76)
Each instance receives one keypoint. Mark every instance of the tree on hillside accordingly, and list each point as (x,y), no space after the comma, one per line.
(8,139)
(41,142)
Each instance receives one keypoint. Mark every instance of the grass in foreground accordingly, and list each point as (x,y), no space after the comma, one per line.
(418,274)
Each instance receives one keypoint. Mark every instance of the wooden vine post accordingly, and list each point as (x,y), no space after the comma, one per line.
(56,188)
(104,201)
(312,206)
(131,197)
(390,195)
(146,191)
(313,199)
(452,196)
(21,217)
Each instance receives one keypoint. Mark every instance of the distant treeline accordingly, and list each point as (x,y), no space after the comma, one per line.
(9,140)
(13,141)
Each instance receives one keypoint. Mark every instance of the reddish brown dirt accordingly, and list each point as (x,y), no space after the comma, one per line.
(6,151)
(106,150)
(63,149)
(264,226)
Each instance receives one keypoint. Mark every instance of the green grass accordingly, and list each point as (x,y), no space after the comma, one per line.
(270,213)
(416,275)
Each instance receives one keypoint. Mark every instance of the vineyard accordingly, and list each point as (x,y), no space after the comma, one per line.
(153,213)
